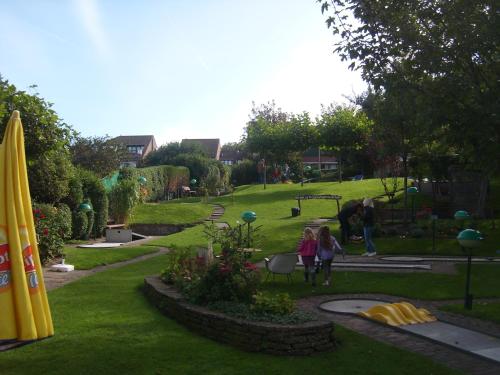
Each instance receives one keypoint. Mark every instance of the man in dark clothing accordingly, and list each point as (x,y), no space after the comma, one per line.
(345,214)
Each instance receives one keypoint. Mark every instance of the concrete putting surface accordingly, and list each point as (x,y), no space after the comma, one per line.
(449,334)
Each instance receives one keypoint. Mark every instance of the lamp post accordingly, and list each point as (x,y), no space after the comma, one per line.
(248,217)
(434,219)
(468,240)
(412,191)
(461,216)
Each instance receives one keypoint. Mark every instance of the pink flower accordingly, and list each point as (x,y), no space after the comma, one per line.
(250,266)
(45,232)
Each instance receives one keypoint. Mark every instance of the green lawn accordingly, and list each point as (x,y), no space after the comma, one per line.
(280,231)
(482,310)
(104,325)
(84,259)
(172,212)
(484,283)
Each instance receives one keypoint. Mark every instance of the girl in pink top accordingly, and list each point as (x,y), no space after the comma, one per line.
(307,251)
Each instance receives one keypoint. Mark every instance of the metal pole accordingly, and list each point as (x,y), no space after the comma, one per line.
(434,235)
(412,208)
(264,174)
(468,296)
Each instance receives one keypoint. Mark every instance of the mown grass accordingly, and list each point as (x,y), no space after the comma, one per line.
(481,310)
(84,258)
(280,231)
(484,283)
(104,325)
(172,212)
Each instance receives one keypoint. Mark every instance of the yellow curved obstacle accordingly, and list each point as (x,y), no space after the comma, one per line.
(398,314)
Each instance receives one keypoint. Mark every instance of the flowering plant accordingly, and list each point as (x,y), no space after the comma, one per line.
(52,227)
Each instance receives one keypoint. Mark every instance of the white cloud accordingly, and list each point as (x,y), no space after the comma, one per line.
(90,18)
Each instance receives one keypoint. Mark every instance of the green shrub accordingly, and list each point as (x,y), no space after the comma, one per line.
(244,173)
(179,266)
(75,194)
(123,197)
(244,311)
(80,225)
(94,191)
(160,180)
(53,227)
(277,304)
(231,279)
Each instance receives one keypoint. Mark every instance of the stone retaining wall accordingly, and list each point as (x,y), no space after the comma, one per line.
(158,229)
(300,339)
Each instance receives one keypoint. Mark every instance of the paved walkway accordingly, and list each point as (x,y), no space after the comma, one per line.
(55,280)
(454,358)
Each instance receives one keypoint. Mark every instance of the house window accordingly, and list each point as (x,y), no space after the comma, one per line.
(135,149)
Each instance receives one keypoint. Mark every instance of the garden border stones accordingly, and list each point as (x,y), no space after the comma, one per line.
(300,339)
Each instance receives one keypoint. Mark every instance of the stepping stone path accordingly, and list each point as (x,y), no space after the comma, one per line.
(216,213)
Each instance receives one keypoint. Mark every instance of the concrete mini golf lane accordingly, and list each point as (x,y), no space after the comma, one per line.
(460,338)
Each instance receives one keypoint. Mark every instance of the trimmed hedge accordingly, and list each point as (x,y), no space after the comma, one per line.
(161,180)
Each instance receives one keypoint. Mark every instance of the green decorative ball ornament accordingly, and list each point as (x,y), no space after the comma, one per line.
(469,238)
(249,216)
(142,180)
(193,181)
(461,215)
(85,207)
(412,190)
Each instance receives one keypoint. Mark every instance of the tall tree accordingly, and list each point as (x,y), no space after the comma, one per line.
(278,136)
(97,154)
(444,52)
(344,130)
(47,140)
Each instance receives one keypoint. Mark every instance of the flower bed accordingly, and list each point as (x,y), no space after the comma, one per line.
(298,339)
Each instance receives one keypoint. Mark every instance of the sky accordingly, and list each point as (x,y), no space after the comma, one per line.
(174,69)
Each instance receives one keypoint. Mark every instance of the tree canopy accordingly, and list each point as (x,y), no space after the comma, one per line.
(97,154)
(442,53)
(278,136)
(46,138)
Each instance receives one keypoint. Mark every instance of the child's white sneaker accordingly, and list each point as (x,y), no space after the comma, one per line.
(365,254)
(372,254)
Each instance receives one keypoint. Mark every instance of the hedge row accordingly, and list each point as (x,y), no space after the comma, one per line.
(161,180)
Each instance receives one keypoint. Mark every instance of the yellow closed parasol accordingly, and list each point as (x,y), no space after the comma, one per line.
(24,309)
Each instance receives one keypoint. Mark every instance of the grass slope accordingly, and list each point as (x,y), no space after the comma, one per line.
(172,212)
(280,231)
(104,325)
(84,259)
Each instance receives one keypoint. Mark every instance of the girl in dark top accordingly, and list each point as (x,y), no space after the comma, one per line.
(368,224)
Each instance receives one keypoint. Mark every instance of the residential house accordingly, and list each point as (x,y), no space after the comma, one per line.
(211,147)
(231,157)
(138,146)
(320,159)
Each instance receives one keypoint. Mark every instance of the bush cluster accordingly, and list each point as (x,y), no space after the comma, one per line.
(228,284)
(53,228)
